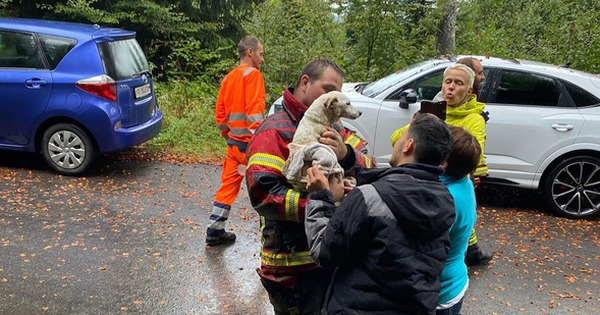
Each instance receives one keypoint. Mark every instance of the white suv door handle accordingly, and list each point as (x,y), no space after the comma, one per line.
(562,127)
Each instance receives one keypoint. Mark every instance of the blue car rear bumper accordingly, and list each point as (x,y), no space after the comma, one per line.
(125,138)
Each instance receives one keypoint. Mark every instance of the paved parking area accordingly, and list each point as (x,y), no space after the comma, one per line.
(129,239)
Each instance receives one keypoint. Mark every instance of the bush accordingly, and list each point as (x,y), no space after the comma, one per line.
(189,121)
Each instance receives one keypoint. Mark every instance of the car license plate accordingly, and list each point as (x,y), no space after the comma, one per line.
(142,90)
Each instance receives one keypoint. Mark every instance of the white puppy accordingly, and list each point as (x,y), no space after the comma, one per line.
(305,148)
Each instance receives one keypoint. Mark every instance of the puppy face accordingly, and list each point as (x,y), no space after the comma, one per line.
(338,105)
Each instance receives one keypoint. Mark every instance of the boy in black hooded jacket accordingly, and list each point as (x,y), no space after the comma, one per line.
(389,237)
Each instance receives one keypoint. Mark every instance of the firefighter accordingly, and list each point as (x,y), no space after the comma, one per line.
(294,281)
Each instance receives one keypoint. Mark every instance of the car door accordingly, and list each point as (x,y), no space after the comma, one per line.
(25,87)
(391,116)
(589,107)
(531,116)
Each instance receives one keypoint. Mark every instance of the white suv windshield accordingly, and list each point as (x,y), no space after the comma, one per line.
(377,87)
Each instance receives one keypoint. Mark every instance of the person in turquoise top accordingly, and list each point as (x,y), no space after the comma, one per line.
(463,159)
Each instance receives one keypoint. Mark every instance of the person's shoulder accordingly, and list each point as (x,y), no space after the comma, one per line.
(476,119)
(396,180)
(277,122)
(453,183)
(251,72)
(234,73)
(280,117)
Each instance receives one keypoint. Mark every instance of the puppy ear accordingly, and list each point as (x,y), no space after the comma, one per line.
(329,100)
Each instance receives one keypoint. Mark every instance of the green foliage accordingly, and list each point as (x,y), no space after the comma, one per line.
(190,61)
(294,32)
(3,10)
(384,35)
(227,15)
(191,44)
(553,31)
(161,27)
(189,121)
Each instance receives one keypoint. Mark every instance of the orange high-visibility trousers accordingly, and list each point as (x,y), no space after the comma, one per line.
(231,181)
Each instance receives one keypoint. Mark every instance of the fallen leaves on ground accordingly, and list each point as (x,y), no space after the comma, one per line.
(145,154)
(543,253)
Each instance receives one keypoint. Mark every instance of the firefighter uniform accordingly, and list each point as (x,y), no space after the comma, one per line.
(285,254)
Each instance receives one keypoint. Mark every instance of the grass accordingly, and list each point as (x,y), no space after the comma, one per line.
(189,126)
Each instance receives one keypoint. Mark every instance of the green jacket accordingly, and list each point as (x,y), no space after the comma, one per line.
(469,116)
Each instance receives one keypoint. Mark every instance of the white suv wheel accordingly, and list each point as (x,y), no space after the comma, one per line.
(573,187)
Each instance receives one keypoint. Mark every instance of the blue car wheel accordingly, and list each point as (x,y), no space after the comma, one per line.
(67,149)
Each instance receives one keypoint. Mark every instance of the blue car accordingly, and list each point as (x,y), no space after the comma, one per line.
(70,91)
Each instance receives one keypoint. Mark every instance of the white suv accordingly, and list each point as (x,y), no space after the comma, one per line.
(543,131)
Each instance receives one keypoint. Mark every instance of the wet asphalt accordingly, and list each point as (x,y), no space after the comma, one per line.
(129,239)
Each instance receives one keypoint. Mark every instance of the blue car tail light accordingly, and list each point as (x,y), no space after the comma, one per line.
(100,85)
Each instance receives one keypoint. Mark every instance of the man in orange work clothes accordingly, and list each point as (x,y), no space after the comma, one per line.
(239,112)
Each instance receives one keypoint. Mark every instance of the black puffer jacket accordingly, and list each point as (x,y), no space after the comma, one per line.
(388,239)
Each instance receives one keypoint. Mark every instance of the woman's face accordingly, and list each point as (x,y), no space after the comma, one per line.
(455,87)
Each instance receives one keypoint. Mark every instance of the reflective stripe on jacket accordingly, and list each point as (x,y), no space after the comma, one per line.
(284,245)
(241,103)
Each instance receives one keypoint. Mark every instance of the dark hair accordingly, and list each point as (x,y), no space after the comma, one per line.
(433,141)
(467,61)
(465,155)
(315,68)
(246,43)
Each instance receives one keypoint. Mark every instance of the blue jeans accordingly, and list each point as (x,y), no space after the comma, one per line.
(454,310)
(306,297)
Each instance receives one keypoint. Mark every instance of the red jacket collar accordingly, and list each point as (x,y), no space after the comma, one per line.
(294,107)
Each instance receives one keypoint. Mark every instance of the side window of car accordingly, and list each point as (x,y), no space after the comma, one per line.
(524,88)
(56,48)
(579,96)
(427,87)
(19,50)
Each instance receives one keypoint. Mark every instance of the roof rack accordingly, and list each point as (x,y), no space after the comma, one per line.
(566,65)
(513,60)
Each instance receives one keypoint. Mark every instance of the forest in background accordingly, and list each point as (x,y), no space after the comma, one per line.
(191,44)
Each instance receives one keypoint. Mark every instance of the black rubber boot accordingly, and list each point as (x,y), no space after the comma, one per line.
(226,237)
(476,257)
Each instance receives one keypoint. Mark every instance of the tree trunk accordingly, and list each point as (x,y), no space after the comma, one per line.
(446,36)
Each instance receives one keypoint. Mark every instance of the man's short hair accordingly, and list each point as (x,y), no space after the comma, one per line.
(315,68)
(433,141)
(246,43)
(467,61)
(465,68)
(465,155)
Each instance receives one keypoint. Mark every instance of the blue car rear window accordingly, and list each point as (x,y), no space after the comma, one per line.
(123,59)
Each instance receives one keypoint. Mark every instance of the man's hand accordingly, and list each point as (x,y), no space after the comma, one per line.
(334,140)
(225,134)
(316,180)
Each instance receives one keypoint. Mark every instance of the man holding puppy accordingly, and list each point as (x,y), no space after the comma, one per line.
(295,283)
(389,237)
